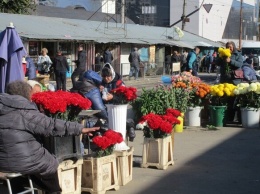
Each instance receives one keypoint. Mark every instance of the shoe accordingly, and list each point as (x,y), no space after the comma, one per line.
(131,134)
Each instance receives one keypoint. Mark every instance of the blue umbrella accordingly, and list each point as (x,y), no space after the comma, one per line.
(11,53)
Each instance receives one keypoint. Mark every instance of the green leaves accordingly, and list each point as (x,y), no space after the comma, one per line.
(17,7)
(155,100)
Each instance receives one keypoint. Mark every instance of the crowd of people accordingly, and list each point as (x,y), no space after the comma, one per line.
(195,62)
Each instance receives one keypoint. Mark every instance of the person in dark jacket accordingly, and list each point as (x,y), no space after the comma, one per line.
(31,68)
(134,59)
(20,151)
(60,66)
(107,56)
(248,70)
(80,65)
(229,64)
(168,62)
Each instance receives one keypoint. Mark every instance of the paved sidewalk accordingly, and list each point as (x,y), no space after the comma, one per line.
(225,161)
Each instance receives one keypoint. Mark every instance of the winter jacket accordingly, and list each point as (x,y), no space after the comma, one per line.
(235,64)
(249,72)
(60,64)
(44,64)
(82,59)
(20,123)
(191,60)
(134,59)
(108,57)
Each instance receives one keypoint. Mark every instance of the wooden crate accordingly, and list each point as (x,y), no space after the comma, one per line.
(124,162)
(69,173)
(43,79)
(157,152)
(99,174)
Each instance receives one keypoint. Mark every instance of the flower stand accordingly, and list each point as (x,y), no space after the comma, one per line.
(99,174)
(250,117)
(157,152)
(117,121)
(69,173)
(124,162)
(193,116)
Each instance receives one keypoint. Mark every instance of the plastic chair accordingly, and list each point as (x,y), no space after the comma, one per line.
(8,176)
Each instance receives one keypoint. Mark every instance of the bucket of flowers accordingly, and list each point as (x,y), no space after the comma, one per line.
(61,104)
(104,144)
(158,142)
(248,99)
(66,106)
(117,111)
(196,103)
(101,163)
(220,96)
(159,126)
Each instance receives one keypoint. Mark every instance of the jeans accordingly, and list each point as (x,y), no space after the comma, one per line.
(77,72)
(97,103)
(134,70)
(61,80)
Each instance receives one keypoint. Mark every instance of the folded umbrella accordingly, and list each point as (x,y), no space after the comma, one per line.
(11,53)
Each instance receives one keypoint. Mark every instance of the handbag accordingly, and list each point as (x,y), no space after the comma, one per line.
(238,74)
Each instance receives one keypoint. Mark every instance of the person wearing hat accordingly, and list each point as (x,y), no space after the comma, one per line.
(248,70)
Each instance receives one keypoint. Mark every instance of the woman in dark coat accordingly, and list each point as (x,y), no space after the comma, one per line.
(20,123)
(229,64)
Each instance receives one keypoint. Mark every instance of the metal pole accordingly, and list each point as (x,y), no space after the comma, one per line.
(241,26)
(183,17)
(123,11)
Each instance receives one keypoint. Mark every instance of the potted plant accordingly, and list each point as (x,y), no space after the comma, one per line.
(117,111)
(157,138)
(66,106)
(197,100)
(219,97)
(155,100)
(248,99)
(184,95)
(99,170)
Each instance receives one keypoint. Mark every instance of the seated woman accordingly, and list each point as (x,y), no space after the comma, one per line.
(110,81)
(248,70)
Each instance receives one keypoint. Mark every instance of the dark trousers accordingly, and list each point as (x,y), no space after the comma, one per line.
(77,73)
(49,183)
(61,80)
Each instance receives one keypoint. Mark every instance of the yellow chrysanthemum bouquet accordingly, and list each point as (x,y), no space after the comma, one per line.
(220,93)
(248,95)
(225,53)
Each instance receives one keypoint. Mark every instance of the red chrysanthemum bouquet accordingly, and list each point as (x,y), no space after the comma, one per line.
(105,143)
(159,126)
(61,104)
(124,95)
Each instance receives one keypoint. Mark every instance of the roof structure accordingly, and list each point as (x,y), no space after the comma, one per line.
(73,12)
(63,29)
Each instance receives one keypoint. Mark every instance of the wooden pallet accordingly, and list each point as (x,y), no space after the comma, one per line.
(157,152)
(99,174)
(124,161)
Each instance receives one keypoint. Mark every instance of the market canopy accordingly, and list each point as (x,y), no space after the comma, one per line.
(46,28)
